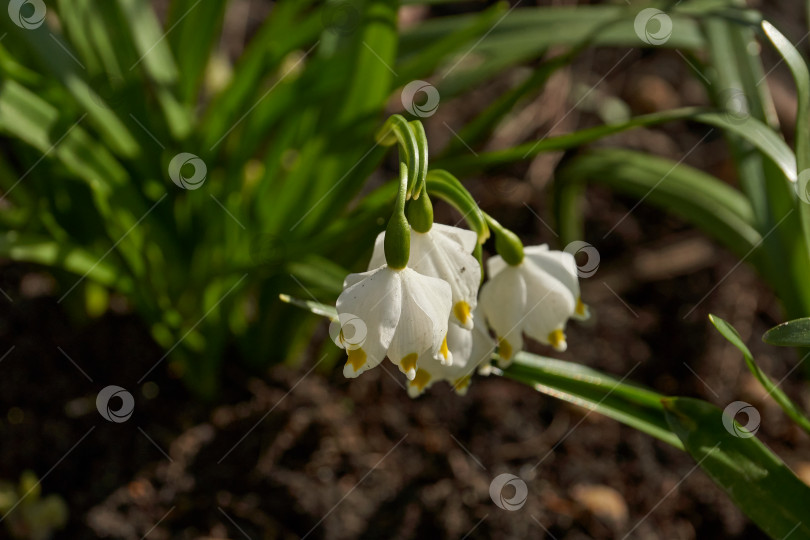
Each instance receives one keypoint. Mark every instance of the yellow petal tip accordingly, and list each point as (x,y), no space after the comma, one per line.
(357,359)
(504,349)
(557,340)
(420,381)
(581,309)
(445,352)
(461,310)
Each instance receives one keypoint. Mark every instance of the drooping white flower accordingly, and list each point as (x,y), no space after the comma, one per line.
(470,349)
(444,252)
(399,313)
(535,297)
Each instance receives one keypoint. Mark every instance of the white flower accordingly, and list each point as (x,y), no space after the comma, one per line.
(402,314)
(536,297)
(470,348)
(444,252)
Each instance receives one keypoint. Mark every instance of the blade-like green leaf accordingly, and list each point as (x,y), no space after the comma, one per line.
(58,60)
(731,334)
(45,251)
(157,61)
(736,84)
(317,308)
(750,129)
(701,199)
(195,28)
(795,333)
(798,69)
(632,405)
(758,482)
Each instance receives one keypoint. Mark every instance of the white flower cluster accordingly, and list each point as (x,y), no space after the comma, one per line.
(428,317)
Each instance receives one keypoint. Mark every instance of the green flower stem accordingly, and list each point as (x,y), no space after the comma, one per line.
(507,244)
(447,187)
(418,131)
(397,130)
(397,242)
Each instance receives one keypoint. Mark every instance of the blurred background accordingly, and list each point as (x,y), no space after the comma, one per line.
(272,441)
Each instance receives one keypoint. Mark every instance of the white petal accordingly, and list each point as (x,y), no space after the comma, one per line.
(438,255)
(464,237)
(460,344)
(549,305)
(531,250)
(559,264)
(494,265)
(562,266)
(373,302)
(503,301)
(378,255)
(459,341)
(482,343)
(423,321)
(353,279)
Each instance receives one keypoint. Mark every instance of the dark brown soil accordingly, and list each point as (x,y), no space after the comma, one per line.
(299,452)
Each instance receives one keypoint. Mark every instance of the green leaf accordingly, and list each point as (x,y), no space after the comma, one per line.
(195,28)
(317,308)
(750,129)
(425,60)
(630,404)
(45,251)
(795,333)
(25,115)
(731,334)
(758,482)
(155,58)
(736,84)
(261,58)
(525,33)
(58,60)
(701,199)
(798,69)
(759,135)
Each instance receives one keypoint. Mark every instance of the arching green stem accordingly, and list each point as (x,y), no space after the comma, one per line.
(397,130)
(418,131)
(447,187)
(397,242)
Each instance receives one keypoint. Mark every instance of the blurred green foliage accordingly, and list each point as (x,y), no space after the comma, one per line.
(28,515)
(98,100)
